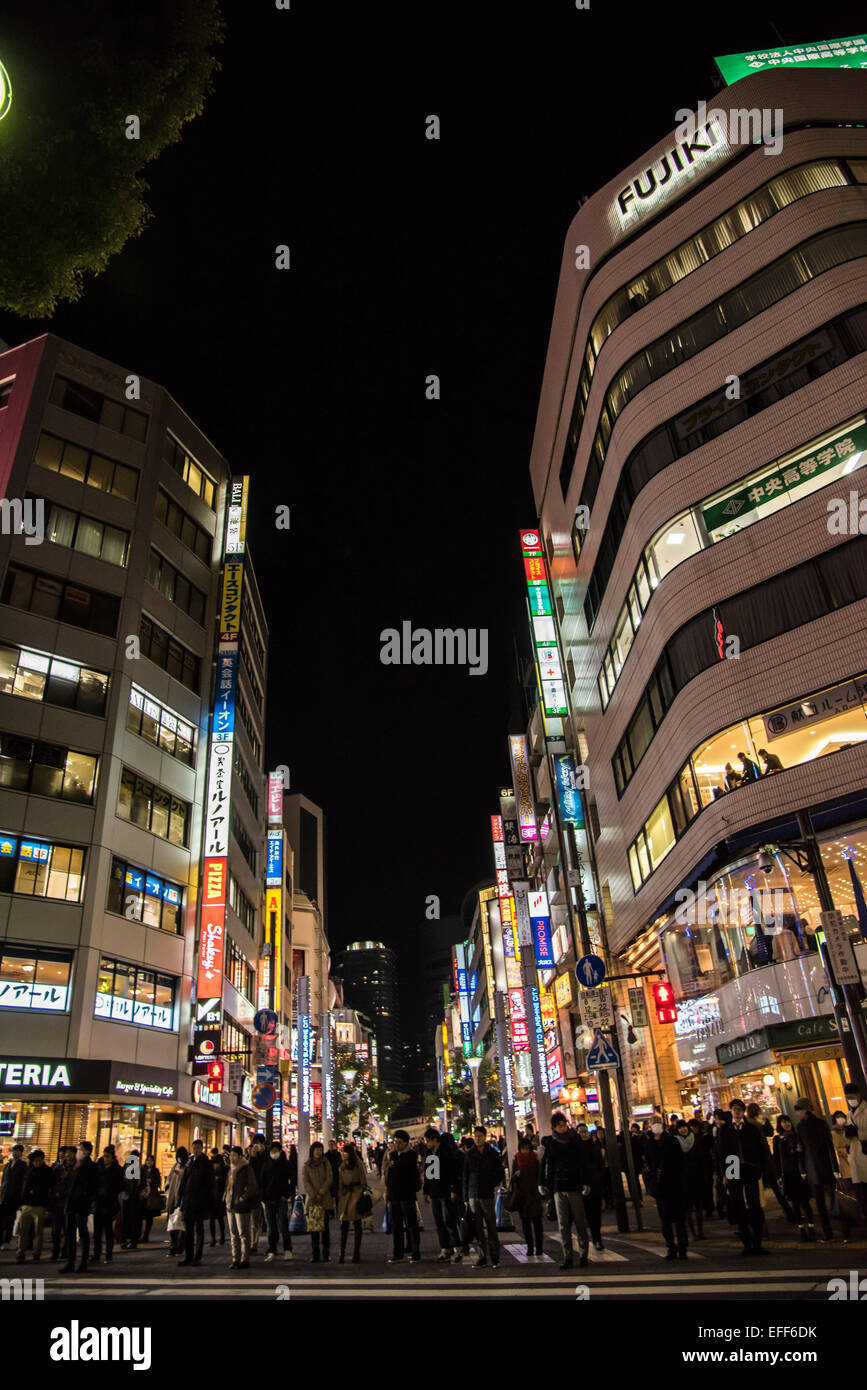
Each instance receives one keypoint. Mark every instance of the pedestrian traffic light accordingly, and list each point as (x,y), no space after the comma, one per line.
(215,1076)
(663,999)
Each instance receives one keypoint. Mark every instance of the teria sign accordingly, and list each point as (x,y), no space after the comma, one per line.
(830,53)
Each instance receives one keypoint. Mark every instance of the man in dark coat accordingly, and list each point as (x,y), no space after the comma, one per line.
(664,1180)
(564,1173)
(402,1183)
(593,1162)
(277,1190)
(109,1185)
(79,1200)
(483,1174)
(37,1196)
(741,1153)
(62,1170)
(818,1158)
(441,1179)
(196,1201)
(10,1192)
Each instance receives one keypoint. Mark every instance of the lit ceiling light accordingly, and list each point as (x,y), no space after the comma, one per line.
(676,537)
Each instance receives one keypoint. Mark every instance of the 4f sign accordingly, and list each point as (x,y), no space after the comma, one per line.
(5,92)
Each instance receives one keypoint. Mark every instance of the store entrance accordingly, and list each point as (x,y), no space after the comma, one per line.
(165,1147)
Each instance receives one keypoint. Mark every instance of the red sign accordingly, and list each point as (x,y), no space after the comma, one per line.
(214,882)
(497,829)
(534,568)
(530,541)
(209,983)
(663,999)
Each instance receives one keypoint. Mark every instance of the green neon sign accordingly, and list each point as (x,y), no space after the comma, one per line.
(831,53)
(5,92)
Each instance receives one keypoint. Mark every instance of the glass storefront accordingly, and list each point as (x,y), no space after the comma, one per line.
(147,1128)
(792,734)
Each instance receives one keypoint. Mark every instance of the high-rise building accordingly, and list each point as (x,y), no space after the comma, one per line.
(368,970)
(109,609)
(697,468)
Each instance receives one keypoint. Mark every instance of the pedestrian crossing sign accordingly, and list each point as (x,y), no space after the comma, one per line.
(601,1054)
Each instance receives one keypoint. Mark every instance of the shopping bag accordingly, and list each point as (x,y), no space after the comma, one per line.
(502,1218)
(298,1220)
(386,1219)
(176,1221)
(315,1217)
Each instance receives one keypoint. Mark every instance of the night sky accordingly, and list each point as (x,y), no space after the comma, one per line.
(409,257)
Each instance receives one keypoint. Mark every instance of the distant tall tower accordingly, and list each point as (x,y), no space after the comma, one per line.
(369,973)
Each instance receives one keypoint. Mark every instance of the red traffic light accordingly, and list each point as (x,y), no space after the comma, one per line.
(663,999)
(215,1076)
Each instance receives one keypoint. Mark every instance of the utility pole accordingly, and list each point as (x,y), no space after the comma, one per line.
(846,998)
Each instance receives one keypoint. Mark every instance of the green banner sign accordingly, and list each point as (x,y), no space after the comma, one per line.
(740,501)
(831,53)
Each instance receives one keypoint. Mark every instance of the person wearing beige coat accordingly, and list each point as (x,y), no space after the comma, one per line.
(317,1176)
(352,1182)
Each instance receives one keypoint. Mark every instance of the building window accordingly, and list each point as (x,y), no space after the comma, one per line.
(176,587)
(141,896)
(250,672)
(811,590)
(6,391)
(825,460)
(169,654)
(188,468)
(791,734)
(160,726)
(241,905)
(153,808)
(86,535)
(244,842)
(84,466)
(251,628)
(41,870)
(235,1043)
(739,306)
(238,971)
(133,994)
(46,769)
(35,978)
(37,676)
(247,720)
(92,405)
(246,780)
(60,600)
(752,212)
(188,532)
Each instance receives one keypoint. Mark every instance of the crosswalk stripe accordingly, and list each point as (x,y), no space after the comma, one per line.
(599,1289)
(354,1281)
(519,1252)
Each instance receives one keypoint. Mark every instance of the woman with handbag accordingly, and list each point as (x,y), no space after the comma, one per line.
(150,1194)
(318,1178)
(175,1222)
(523,1197)
(352,1183)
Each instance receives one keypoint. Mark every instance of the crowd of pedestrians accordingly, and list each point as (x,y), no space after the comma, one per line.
(695,1170)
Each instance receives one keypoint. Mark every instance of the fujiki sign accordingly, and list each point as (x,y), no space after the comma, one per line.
(668,178)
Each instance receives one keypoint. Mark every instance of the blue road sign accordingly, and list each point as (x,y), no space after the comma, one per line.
(264,1097)
(265,1022)
(590,971)
(601,1055)
(268,1075)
